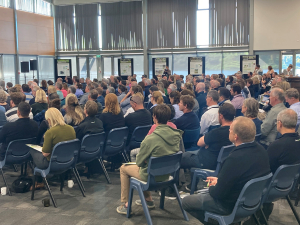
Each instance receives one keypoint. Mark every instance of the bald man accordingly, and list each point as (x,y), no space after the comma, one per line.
(201,97)
(248,156)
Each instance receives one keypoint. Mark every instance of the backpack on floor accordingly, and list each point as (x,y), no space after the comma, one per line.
(22,185)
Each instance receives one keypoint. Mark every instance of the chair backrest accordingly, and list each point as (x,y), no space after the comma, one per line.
(17,150)
(64,156)
(116,141)
(165,165)
(138,136)
(250,198)
(213,127)
(238,112)
(257,137)
(223,154)
(282,182)
(91,146)
(190,136)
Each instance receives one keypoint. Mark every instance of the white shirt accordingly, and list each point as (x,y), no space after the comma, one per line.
(296,108)
(209,118)
(178,113)
(130,110)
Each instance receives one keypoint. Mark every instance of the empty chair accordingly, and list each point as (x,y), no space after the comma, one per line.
(137,137)
(17,152)
(204,173)
(213,127)
(116,142)
(64,157)
(257,137)
(158,166)
(282,183)
(247,203)
(190,139)
(91,148)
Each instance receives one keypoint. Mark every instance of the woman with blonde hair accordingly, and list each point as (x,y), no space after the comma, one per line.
(112,116)
(156,99)
(250,109)
(3,98)
(74,113)
(40,102)
(188,86)
(51,89)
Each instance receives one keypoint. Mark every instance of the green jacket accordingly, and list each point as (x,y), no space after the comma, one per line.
(163,141)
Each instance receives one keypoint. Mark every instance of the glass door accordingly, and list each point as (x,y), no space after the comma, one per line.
(287,59)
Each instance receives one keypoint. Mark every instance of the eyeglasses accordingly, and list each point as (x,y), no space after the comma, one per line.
(132,100)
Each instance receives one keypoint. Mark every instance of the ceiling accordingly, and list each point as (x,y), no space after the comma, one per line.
(72,2)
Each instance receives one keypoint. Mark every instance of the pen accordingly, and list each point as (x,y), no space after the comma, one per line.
(208,183)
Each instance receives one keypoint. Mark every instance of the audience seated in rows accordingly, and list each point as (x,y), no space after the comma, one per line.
(191,93)
(247,160)
(156,99)
(93,95)
(250,109)
(163,141)
(210,116)
(201,98)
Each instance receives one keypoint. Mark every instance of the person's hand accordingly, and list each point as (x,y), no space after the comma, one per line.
(212,181)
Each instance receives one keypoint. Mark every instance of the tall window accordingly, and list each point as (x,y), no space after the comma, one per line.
(25,5)
(42,7)
(5,3)
(99,27)
(203,23)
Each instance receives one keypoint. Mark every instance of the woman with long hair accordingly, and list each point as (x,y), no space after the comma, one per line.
(175,99)
(250,109)
(74,113)
(44,85)
(156,99)
(40,102)
(112,116)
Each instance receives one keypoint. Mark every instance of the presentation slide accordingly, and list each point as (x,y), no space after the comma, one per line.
(125,67)
(160,65)
(63,67)
(248,64)
(196,65)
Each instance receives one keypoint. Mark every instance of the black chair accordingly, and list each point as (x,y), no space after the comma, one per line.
(158,166)
(137,137)
(64,157)
(116,143)
(91,148)
(17,152)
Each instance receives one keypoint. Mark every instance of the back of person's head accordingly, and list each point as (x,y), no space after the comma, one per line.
(104,85)
(25,88)
(172,111)
(122,88)
(3,96)
(74,111)
(72,89)
(230,78)
(53,96)
(157,97)
(219,82)
(189,86)
(55,103)
(24,109)
(166,83)
(65,86)
(250,81)
(224,92)
(138,98)
(44,83)
(162,113)
(252,107)
(215,76)
(100,90)
(188,92)
(257,65)
(236,88)
(142,84)
(35,88)
(54,117)
(9,84)
(40,96)
(50,82)
(112,104)
(278,93)
(288,118)
(94,94)
(51,89)
(175,95)
(245,129)
(153,88)
(91,108)
(2,84)
(136,89)
(227,111)
(241,83)
(16,97)
(214,95)
(114,85)
(58,85)
(292,93)
(111,90)
(187,101)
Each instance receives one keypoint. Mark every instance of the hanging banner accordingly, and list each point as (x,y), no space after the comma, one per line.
(125,67)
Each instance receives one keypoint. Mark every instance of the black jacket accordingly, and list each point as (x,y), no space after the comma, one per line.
(201,98)
(245,162)
(23,128)
(90,125)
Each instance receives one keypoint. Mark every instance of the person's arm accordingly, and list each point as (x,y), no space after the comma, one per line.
(126,96)
(48,144)
(79,133)
(83,99)
(204,123)
(201,142)
(144,153)
(125,103)
(274,154)
(268,124)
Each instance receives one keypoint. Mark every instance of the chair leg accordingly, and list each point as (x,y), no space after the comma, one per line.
(162,198)
(9,193)
(22,169)
(76,171)
(144,204)
(298,197)
(293,209)
(62,181)
(25,169)
(130,201)
(104,170)
(124,157)
(51,196)
(256,219)
(194,184)
(264,216)
(15,168)
(79,183)
(180,203)
(33,188)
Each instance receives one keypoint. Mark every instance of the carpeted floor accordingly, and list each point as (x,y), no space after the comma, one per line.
(98,207)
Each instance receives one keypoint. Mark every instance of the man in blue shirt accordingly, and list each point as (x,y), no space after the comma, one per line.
(292,97)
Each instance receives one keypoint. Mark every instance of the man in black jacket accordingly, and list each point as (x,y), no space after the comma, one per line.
(22,128)
(248,160)
(201,98)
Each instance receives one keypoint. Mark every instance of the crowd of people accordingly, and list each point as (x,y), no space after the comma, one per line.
(72,108)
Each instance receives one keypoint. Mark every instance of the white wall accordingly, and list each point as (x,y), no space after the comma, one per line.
(276,24)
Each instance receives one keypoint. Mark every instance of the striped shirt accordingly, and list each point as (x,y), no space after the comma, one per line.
(12,116)
(28,96)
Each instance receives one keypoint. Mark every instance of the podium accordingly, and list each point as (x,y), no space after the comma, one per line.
(295,82)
